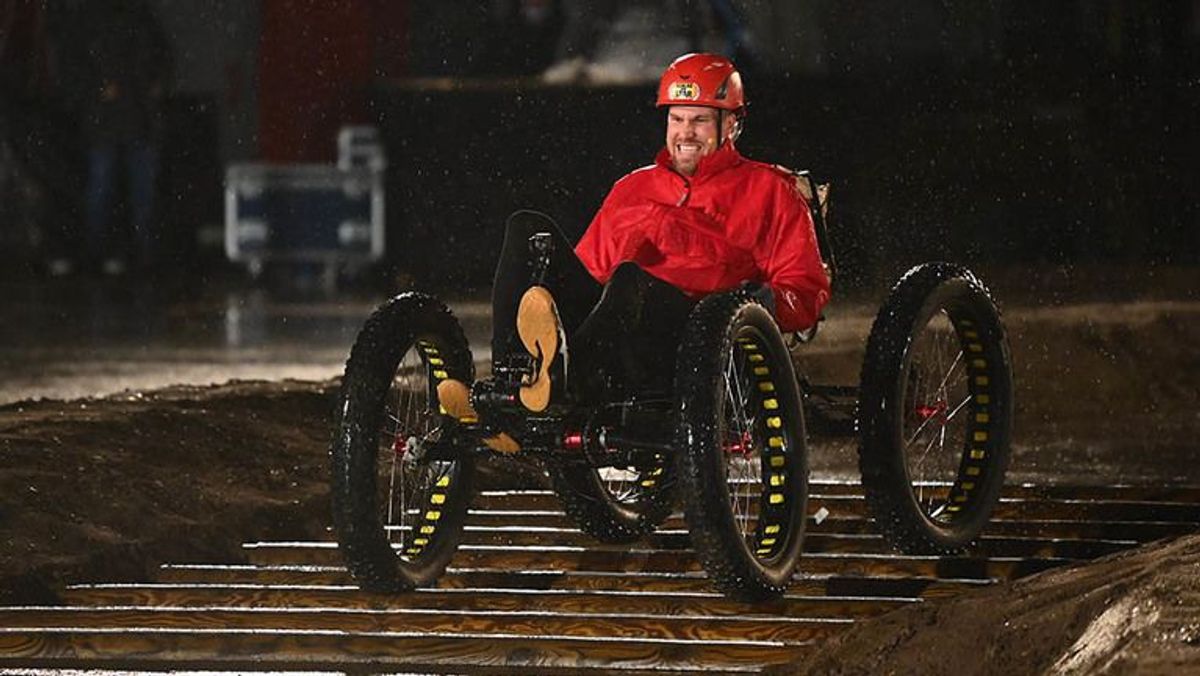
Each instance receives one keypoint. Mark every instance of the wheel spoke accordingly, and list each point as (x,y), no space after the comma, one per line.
(950,416)
(936,374)
(411,427)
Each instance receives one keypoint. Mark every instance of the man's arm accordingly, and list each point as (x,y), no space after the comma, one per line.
(789,257)
(617,231)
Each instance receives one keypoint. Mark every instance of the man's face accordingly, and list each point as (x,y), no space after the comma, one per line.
(692,133)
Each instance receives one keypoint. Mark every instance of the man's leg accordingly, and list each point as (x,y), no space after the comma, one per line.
(564,277)
(573,288)
(628,342)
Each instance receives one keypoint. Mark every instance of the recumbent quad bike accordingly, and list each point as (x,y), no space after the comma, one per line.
(932,413)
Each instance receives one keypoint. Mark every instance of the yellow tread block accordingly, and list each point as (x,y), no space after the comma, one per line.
(775,442)
(440,374)
(982,381)
(977,454)
(755,358)
(443,482)
(427,530)
(436,361)
(974,471)
(979,363)
(982,418)
(968,485)
(777,479)
(980,436)
(983,399)
(775,422)
(771,530)
(766,386)
(778,461)
(775,498)
(771,404)
(438,498)
(433,515)
(767,542)
(975,347)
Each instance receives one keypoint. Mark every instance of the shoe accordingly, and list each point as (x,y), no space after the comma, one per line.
(540,331)
(614,73)
(455,400)
(565,71)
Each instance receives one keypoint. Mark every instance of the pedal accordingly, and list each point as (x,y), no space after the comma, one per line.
(495,399)
(514,367)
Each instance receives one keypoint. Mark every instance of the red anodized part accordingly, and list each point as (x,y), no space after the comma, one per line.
(927,411)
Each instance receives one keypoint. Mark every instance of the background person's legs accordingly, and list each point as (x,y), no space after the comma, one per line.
(101,179)
(141,166)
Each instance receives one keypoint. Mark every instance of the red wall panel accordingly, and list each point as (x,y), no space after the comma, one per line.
(315,63)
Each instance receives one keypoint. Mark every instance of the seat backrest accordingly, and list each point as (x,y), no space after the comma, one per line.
(817,195)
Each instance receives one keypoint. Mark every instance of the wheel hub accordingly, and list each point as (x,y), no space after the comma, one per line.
(936,410)
(408,448)
(742,446)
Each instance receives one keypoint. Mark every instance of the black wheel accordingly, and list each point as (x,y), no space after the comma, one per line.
(743,458)
(935,411)
(618,503)
(401,479)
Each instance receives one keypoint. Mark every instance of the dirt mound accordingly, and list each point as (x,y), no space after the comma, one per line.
(107,488)
(1133,612)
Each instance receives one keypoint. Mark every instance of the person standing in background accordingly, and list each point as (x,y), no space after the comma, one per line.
(123,76)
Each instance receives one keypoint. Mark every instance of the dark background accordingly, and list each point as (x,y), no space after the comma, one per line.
(1010,132)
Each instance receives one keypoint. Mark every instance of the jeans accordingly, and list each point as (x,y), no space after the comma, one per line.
(140,163)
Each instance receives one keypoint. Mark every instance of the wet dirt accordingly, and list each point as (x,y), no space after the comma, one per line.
(1108,391)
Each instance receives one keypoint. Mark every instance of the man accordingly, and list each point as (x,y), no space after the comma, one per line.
(702,219)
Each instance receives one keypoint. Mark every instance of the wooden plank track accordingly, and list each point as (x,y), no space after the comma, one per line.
(528,592)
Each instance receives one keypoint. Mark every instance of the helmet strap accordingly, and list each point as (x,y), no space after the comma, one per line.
(737,126)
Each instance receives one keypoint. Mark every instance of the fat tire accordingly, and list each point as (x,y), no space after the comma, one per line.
(716,333)
(920,295)
(410,321)
(597,512)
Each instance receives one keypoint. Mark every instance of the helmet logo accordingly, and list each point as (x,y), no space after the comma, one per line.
(684,91)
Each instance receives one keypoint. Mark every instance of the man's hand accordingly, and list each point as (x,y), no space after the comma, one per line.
(760,292)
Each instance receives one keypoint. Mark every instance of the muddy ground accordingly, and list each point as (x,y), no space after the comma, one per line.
(1108,391)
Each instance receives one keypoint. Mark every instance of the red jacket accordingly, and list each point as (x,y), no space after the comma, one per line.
(735,220)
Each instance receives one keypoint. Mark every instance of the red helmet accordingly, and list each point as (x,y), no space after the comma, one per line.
(702,80)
